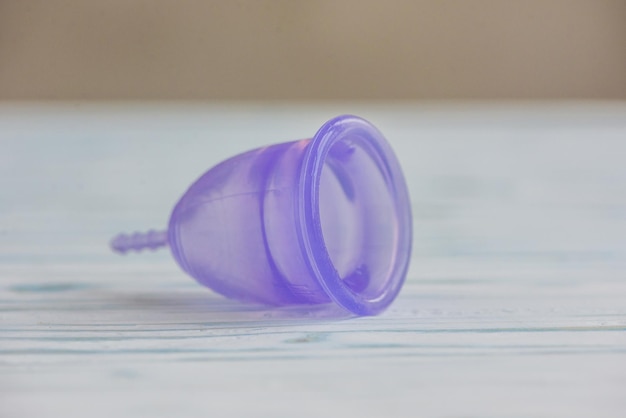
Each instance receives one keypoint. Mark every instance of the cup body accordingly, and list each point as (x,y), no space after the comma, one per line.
(303,222)
(235,229)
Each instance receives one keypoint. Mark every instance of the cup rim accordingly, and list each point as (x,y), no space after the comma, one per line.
(310,227)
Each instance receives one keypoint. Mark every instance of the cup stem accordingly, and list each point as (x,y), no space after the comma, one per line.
(139,241)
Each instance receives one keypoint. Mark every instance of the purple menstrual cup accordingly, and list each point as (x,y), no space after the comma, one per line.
(320,220)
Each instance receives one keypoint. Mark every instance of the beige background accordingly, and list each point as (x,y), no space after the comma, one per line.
(349,49)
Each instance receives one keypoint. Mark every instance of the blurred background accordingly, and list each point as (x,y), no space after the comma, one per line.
(312,50)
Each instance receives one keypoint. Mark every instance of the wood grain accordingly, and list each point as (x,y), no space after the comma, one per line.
(514,305)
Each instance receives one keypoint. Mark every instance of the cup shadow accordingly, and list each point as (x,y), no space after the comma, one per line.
(203,306)
(78,302)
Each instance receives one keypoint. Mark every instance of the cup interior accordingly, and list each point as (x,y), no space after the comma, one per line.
(356,215)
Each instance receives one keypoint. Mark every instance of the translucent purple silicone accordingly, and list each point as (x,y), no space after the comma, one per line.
(304,222)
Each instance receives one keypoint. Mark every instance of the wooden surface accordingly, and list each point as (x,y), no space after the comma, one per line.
(515,304)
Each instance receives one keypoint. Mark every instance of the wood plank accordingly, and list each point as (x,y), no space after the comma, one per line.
(514,304)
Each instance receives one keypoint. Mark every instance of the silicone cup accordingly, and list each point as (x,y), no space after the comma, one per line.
(304,222)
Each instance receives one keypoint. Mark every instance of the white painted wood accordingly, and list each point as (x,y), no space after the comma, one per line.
(515,305)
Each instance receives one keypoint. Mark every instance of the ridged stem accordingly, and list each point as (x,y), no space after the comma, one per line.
(139,241)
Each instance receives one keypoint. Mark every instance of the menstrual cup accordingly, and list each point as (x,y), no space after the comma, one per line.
(319,220)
